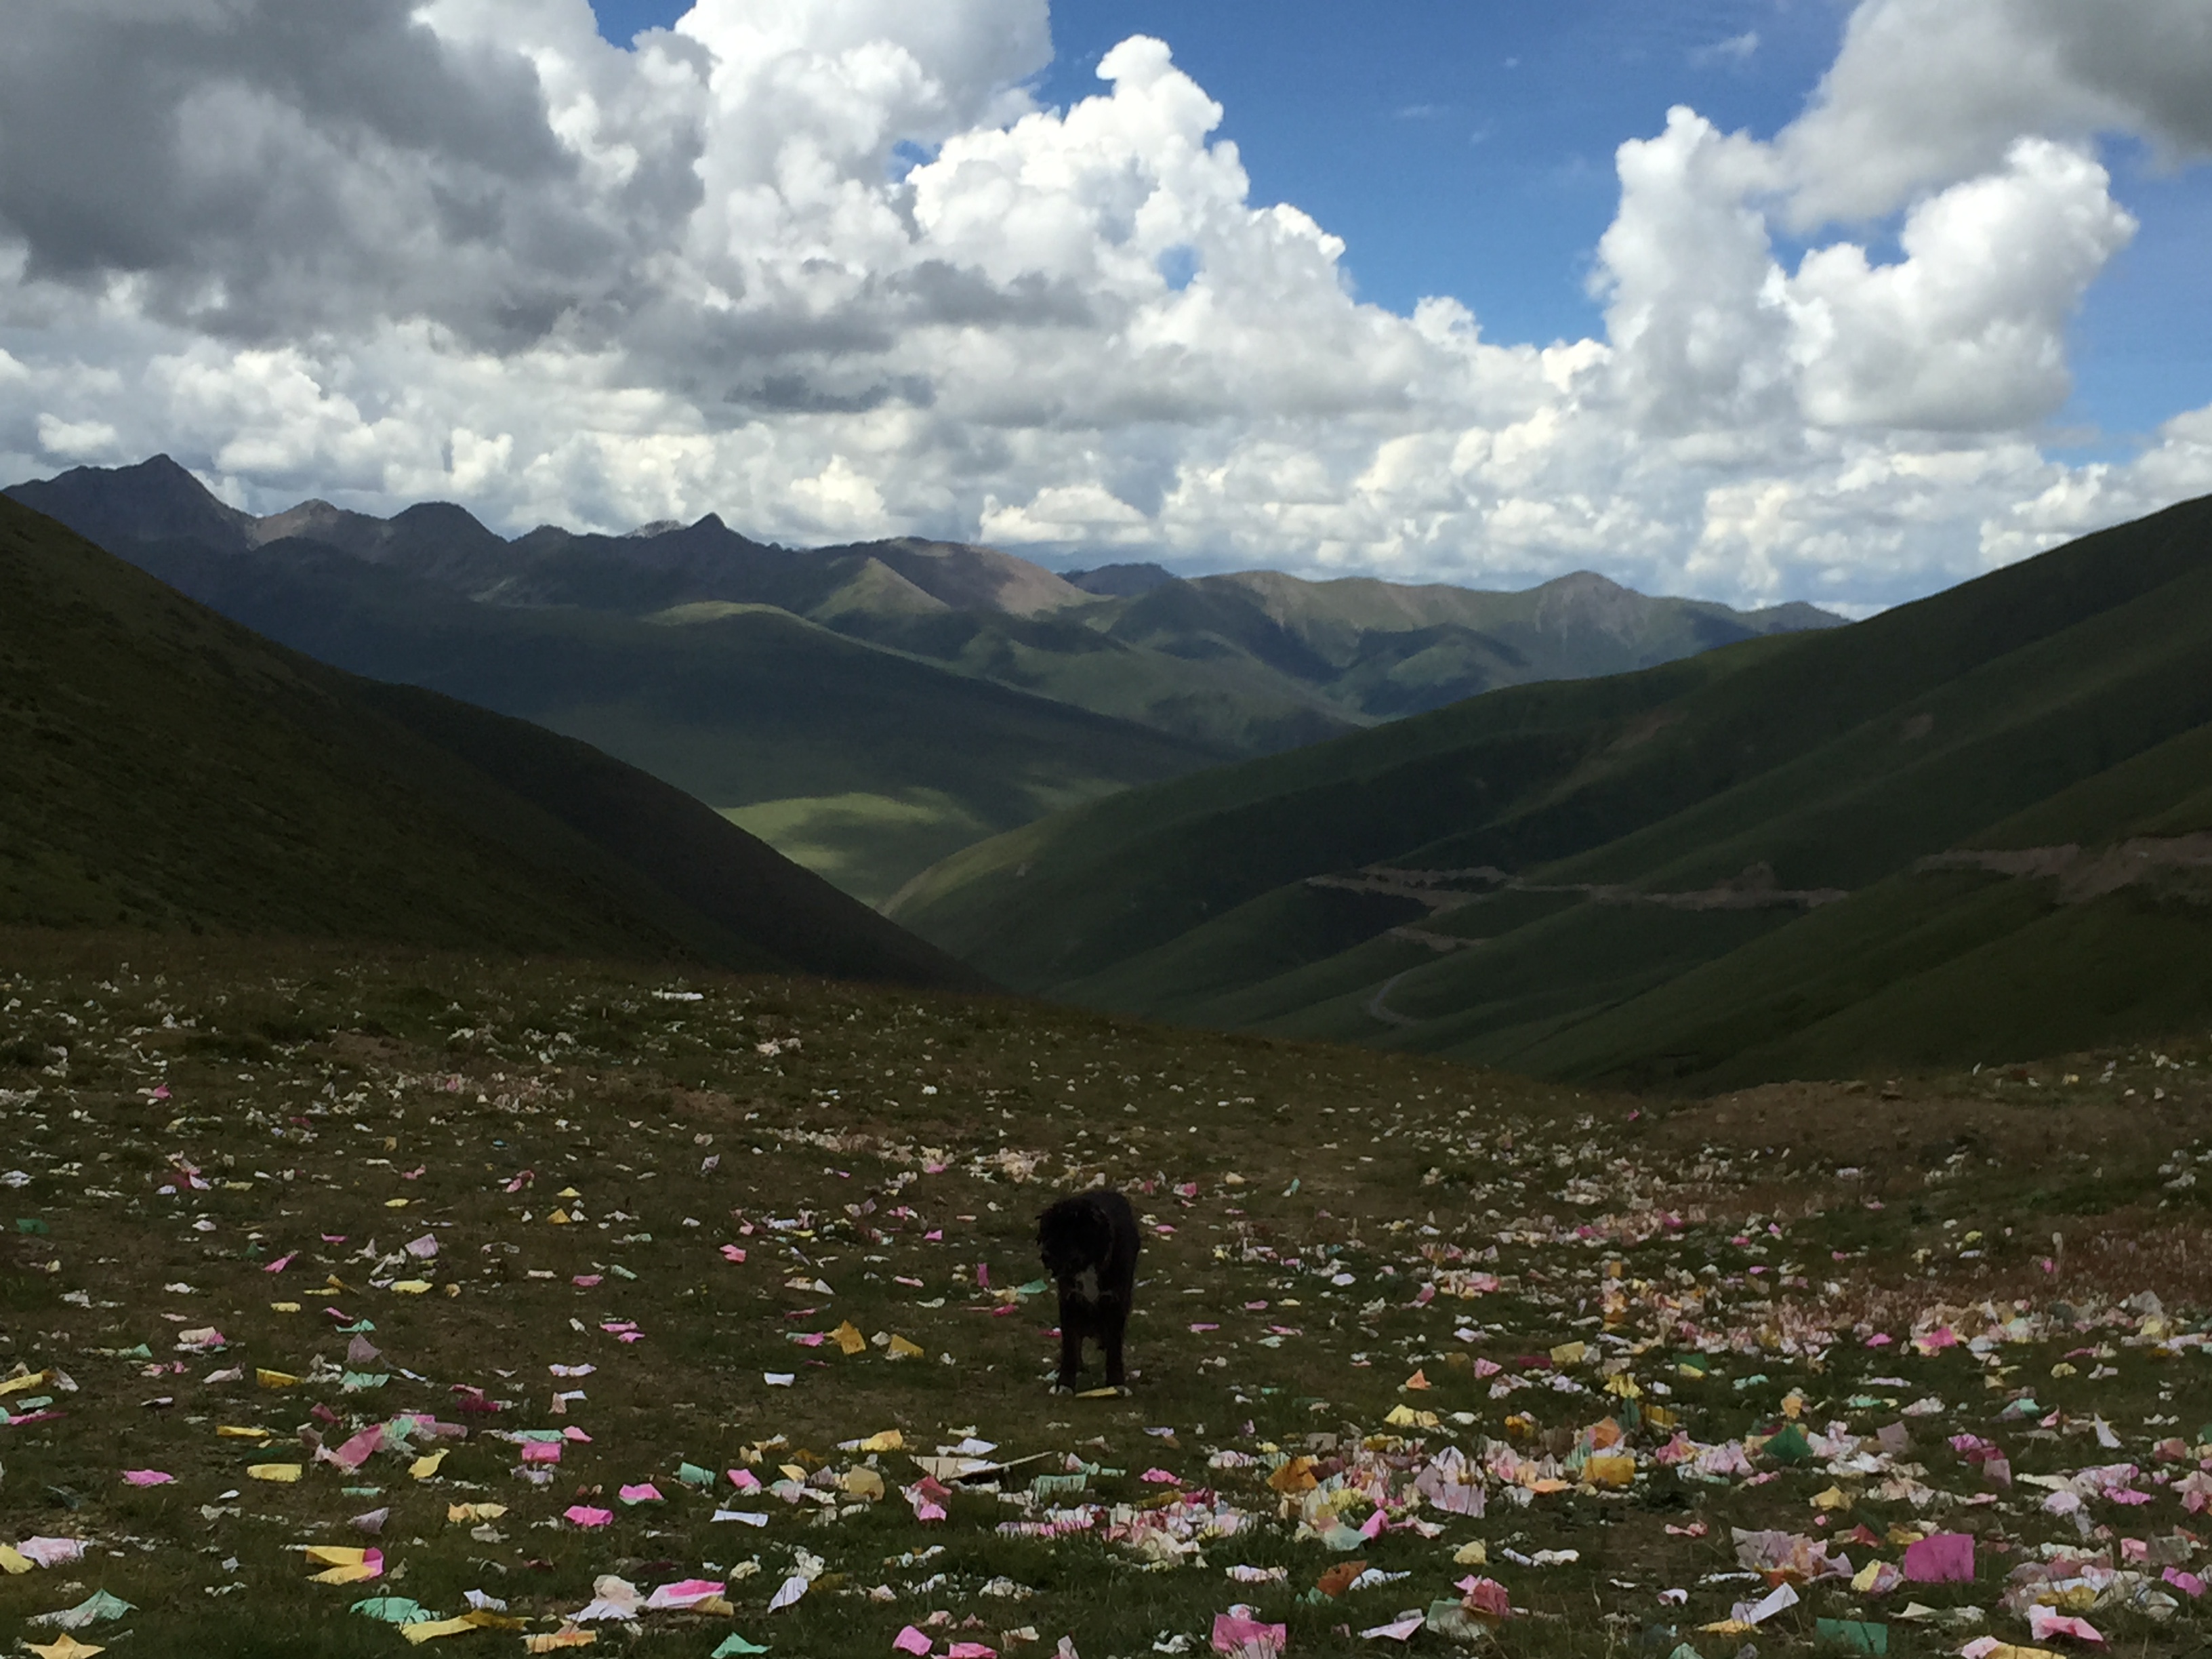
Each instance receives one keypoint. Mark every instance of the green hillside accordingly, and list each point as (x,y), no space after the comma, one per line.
(864,764)
(164,767)
(1793,854)
(869,708)
(1229,699)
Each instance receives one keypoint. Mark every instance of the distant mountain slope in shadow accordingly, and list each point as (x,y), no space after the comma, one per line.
(163,767)
(869,707)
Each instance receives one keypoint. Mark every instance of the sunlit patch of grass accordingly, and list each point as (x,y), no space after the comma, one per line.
(866,843)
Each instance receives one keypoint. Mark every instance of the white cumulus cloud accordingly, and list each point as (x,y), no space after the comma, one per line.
(1967,331)
(826,267)
(1925,93)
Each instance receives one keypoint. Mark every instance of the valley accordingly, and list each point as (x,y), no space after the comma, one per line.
(1969,828)
(162,768)
(869,709)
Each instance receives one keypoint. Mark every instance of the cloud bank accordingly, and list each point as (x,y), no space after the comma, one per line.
(824,266)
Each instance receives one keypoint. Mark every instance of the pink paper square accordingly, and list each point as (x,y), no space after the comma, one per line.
(687,1593)
(355,1451)
(1940,1559)
(2043,1623)
(1248,1639)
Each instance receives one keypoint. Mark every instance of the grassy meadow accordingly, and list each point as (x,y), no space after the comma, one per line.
(436,1255)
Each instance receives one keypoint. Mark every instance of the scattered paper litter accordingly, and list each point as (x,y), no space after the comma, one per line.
(687,1593)
(1239,1637)
(96,1608)
(51,1552)
(612,1597)
(790,1590)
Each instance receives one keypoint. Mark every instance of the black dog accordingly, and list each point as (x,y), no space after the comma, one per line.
(1089,1243)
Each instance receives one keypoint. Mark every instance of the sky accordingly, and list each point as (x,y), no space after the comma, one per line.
(1755,299)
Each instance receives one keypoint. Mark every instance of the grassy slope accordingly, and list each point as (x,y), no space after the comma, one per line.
(1938,968)
(1227,699)
(1835,758)
(1280,932)
(1903,967)
(884,769)
(1068,897)
(742,705)
(164,767)
(1923,770)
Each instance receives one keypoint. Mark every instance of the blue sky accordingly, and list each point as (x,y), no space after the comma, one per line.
(1466,147)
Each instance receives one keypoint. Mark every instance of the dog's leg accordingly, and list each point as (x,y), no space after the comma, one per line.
(1073,1318)
(1113,1320)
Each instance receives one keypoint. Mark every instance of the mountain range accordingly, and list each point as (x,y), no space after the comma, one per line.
(162,767)
(868,708)
(1975,827)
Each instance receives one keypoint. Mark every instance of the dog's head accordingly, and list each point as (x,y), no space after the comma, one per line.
(1073,1235)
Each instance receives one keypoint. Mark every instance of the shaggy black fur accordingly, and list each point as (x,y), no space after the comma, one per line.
(1089,1243)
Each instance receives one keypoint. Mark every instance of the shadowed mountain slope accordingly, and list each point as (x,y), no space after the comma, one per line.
(873,707)
(164,767)
(1848,847)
